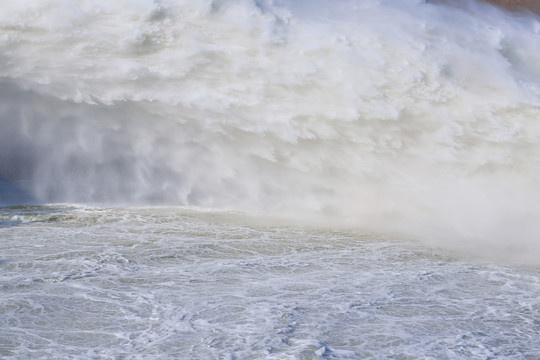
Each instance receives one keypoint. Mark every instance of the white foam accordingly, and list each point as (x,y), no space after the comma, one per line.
(317,111)
(145,282)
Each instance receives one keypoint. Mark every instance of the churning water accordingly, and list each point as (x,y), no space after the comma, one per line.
(269,179)
(170,283)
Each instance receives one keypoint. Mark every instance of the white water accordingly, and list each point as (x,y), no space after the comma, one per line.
(303,148)
(170,283)
(394,115)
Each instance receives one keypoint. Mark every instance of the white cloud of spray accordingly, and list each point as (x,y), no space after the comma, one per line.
(395,116)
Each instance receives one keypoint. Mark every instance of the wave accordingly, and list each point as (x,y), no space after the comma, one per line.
(404,116)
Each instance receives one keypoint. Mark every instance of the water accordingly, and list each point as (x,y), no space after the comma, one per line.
(269,179)
(177,283)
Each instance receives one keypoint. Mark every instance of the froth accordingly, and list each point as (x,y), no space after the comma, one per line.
(311,110)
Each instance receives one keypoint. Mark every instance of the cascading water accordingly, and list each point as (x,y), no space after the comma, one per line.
(406,116)
(236,179)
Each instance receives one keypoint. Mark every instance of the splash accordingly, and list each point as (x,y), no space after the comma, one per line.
(313,110)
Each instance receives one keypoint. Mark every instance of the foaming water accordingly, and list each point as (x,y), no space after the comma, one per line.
(155,282)
(319,111)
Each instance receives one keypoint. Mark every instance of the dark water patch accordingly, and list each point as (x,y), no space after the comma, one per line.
(12,193)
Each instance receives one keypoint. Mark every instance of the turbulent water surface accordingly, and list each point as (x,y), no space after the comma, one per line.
(177,283)
(269,179)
